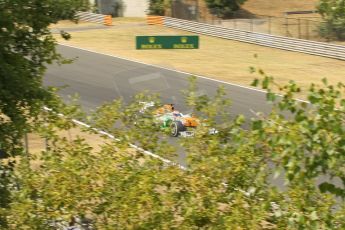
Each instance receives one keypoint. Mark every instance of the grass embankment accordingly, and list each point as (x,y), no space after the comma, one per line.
(279,7)
(217,58)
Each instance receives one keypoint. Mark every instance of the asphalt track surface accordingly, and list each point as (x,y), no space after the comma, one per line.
(99,78)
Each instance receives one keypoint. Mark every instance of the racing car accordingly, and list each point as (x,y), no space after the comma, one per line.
(179,124)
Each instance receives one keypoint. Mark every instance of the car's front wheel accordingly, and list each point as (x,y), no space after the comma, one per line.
(176,128)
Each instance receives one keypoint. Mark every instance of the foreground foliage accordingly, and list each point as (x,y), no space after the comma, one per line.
(27,46)
(228,180)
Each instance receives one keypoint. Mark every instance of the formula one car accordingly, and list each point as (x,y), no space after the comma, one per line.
(179,124)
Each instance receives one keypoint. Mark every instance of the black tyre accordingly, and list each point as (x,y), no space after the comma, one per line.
(176,128)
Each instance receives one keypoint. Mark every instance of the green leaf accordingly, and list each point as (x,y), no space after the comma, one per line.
(326,187)
(270,96)
(255,83)
(257,125)
(65,35)
(314,216)
(266,82)
(252,69)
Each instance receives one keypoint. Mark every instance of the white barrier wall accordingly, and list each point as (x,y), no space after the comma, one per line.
(135,8)
(279,42)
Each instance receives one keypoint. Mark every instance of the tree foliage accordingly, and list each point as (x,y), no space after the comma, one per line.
(27,45)
(224,8)
(158,7)
(310,142)
(333,13)
(226,184)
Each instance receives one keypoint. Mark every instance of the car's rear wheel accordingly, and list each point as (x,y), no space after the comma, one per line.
(176,128)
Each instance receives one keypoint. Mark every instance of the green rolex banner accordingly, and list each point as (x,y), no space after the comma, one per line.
(167,42)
